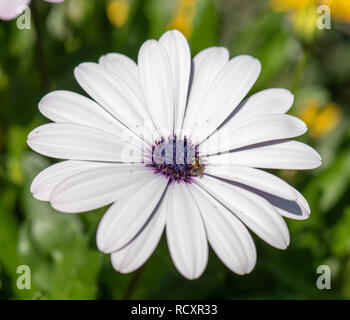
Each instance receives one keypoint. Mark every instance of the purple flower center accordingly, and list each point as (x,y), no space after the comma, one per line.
(176,159)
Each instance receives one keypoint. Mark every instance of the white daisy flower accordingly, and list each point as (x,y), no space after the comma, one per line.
(171,145)
(11,9)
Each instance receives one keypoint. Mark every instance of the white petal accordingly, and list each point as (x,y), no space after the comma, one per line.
(97,187)
(78,142)
(228,89)
(70,107)
(273,100)
(10,9)
(126,69)
(140,249)
(176,46)
(302,201)
(185,232)
(227,235)
(274,155)
(126,218)
(254,178)
(44,183)
(113,95)
(254,211)
(157,84)
(261,128)
(205,67)
(297,210)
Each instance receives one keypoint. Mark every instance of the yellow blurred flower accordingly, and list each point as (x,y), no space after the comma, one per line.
(304,13)
(118,12)
(340,9)
(305,21)
(287,5)
(184,16)
(320,119)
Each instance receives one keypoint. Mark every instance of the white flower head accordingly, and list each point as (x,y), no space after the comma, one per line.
(171,145)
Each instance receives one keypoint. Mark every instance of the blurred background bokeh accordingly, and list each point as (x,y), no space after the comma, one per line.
(60,249)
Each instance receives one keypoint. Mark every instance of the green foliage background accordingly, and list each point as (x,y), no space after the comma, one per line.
(60,249)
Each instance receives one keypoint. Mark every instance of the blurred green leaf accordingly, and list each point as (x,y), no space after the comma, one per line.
(340,235)
(75,272)
(334,181)
(205,26)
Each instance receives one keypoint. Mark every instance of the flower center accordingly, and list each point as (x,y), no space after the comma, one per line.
(176,159)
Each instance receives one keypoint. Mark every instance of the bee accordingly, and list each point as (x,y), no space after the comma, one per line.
(197,168)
